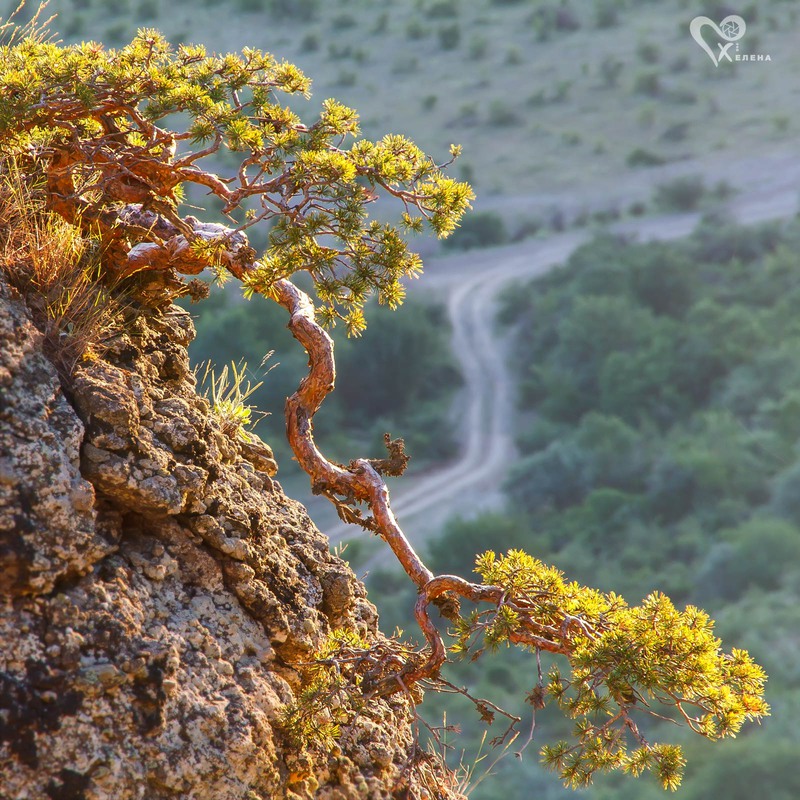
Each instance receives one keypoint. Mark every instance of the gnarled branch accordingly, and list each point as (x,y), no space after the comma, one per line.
(360,480)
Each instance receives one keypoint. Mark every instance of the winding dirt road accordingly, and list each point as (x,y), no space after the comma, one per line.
(470,283)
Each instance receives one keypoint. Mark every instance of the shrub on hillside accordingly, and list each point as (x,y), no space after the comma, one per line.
(681,194)
(480,229)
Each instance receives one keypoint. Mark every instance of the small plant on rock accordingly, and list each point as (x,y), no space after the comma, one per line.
(228,392)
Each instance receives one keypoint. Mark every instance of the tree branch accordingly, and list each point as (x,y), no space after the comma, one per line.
(360,480)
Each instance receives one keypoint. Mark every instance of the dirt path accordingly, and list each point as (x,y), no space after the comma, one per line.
(470,284)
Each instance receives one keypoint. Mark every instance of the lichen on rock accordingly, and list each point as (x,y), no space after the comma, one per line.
(160,592)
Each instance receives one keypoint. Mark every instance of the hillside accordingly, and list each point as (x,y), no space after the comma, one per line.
(546,97)
(657,426)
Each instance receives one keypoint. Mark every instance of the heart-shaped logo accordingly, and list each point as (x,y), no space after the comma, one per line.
(731,29)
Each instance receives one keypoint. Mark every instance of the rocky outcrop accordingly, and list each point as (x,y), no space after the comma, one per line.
(160,592)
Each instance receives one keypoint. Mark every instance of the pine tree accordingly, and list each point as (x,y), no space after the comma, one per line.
(113,140)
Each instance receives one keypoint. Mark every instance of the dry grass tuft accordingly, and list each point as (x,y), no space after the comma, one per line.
(56,270)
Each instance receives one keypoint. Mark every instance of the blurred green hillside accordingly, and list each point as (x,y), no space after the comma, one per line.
(659,438)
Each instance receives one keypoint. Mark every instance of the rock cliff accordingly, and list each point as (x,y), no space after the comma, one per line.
(161,594)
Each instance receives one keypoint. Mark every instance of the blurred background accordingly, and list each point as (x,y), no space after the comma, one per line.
(602,365)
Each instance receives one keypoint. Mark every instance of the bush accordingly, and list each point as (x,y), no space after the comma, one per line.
(670,490)
(581,219)
(682,96)
(293,9)
(454,551)
(647,83)
(467,116)
(428,429)
(552,479)
(148,9)
(781,122)
(514,57)
(449,37)
(720,241)
(539,436)
(637,208)
(680,194)
(558,221)
(400,374)
(602,216)
(736,768)
(676,132)
(537,99)
(679,64)
(381,24)
(346,78)
(755,555)
(310,43)
(400,362)
(338,52)
(479,229)
(664,280)
(443,9)
(528,229)
(502,115)
(416,29)
(785,501)
(726,460)
(405,64)
(548,19)
(616,457)
(117,7)
(561,92)
(606,14)
(648,52)
(428,102)
(76,26)
(466,172)
(610,69)
(116,34)
(342,22)
(478,47)
(566,19)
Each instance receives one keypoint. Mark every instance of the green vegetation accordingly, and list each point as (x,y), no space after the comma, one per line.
(42,255)
(660,388)
(621,656)
(681,194)
(327,699)
(481,229)
(229,392)
(298,180)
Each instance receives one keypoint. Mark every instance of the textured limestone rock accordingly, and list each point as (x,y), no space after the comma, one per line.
(160,592)
(48,515)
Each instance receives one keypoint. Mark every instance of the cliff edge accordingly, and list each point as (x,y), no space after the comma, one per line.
(161,594)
